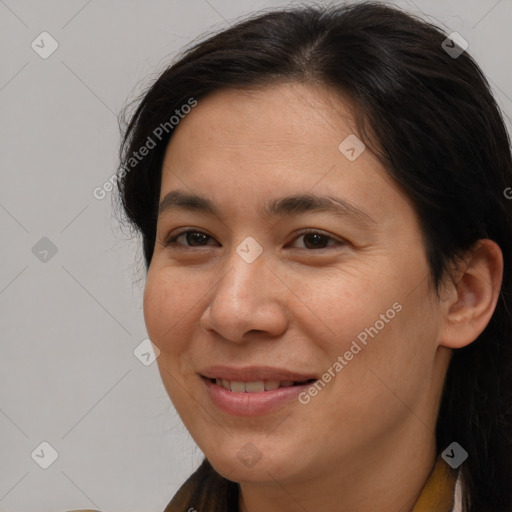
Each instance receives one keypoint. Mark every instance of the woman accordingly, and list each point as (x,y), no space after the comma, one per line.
(321,198)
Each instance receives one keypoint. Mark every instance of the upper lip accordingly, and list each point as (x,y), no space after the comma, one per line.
(253,373)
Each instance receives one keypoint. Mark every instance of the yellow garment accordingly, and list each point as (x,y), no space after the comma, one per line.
(438,493)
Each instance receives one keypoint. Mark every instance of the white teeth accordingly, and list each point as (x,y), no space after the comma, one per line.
(253,386)
(237,386)
(271,384)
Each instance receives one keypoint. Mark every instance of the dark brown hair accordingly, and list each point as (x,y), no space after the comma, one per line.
(437,129)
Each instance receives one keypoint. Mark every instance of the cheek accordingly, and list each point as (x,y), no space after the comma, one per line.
(168,309)
(167,301)
(344,304)
(381,318)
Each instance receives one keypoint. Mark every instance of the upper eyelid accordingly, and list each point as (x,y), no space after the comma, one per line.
(170,237)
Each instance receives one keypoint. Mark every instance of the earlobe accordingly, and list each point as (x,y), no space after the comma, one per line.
(474,295)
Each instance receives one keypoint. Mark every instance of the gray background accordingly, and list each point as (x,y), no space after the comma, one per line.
(70,324)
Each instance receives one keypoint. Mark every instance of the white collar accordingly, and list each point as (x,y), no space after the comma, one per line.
(457,506)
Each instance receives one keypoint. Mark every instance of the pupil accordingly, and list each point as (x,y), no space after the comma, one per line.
(318,239)
(198,237)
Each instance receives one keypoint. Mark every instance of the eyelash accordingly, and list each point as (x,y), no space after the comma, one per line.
(172,240)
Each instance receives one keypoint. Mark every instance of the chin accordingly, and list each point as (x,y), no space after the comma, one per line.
(250,464)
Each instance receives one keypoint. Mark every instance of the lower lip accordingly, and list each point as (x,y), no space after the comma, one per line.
(251,404)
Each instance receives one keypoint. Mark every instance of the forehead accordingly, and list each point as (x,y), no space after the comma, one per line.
(274,119)
(280,138)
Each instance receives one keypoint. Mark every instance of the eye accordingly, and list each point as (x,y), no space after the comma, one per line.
(316,240)
(312,239)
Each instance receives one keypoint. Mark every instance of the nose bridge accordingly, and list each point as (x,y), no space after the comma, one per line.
(245,271)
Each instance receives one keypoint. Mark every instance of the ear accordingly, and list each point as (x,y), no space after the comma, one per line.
(472,294)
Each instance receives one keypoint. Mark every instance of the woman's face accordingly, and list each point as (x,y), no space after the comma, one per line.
(348,304)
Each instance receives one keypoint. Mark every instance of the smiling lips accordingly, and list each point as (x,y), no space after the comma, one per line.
(252,390)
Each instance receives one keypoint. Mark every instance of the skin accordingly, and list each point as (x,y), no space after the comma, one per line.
(368,437)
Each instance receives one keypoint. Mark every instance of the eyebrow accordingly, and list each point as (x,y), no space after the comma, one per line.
(279,207)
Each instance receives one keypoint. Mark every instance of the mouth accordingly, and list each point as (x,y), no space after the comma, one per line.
(253,398)
(256,386)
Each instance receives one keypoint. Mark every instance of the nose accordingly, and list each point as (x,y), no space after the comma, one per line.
(248,299)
